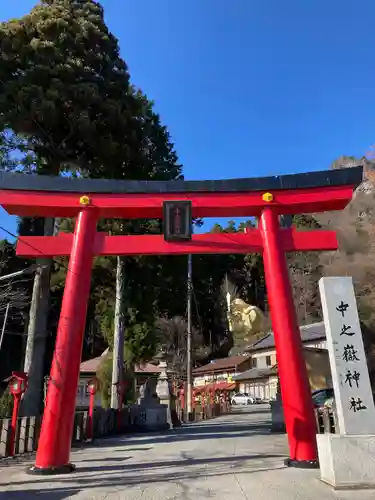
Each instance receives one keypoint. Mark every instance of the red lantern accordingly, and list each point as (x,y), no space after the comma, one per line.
(121,389)
(212,396)
(182,398)
(92,386)
(18,383)
(17,387)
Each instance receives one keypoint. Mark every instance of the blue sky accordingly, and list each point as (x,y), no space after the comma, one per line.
(250,87)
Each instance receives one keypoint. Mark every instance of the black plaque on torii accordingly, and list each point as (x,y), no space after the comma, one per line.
(177,220)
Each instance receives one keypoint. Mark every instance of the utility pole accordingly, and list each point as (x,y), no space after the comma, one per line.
(189,368)
(37,331)
(118,340)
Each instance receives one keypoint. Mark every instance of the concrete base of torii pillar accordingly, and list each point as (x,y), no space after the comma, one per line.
(347,461)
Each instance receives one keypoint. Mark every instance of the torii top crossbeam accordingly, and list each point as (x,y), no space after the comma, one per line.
(36,195)
(32,195)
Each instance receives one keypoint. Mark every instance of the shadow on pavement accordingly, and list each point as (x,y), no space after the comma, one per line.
(177,463)
(236,410)
(188,433)
(54,493)
(100,471)
(105,459)
(117,472)
(88,483)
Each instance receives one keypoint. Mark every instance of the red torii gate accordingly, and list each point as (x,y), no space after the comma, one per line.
(90,200)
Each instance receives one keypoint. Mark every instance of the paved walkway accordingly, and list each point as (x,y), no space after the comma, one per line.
(230,458)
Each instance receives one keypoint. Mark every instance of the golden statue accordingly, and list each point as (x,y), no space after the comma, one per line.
(245,320)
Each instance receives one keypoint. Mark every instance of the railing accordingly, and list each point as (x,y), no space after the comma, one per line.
(27,435)
(326,421)
(105,423)
(205,412)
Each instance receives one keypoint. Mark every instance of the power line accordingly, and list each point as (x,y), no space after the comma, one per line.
(19,238)
(67,268)
(27,270)
(15,282)
(42,255)
(16,334)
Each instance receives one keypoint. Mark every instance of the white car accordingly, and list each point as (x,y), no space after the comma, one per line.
(241,398)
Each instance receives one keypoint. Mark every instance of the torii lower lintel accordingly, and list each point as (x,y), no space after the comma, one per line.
(210,243)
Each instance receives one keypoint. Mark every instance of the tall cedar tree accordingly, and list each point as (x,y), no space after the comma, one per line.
(67,103)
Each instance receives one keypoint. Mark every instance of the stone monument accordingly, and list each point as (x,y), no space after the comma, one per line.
(147,393)
(347,459)
(277,412)
(166,396)
(151,414)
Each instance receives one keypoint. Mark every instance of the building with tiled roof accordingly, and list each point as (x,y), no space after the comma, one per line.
(313,335)
(262,377)
(89,368)
(91,365)
(221,371)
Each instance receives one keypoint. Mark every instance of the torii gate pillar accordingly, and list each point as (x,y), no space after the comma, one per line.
(57,427)
(294,383)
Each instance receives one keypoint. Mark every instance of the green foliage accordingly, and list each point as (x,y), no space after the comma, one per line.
(65,94)
(67,106)
(6,404)
(104,375)
(57,63)
(6,162)
(140,341)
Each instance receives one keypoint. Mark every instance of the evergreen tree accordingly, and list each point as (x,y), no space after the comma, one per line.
(65,95)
